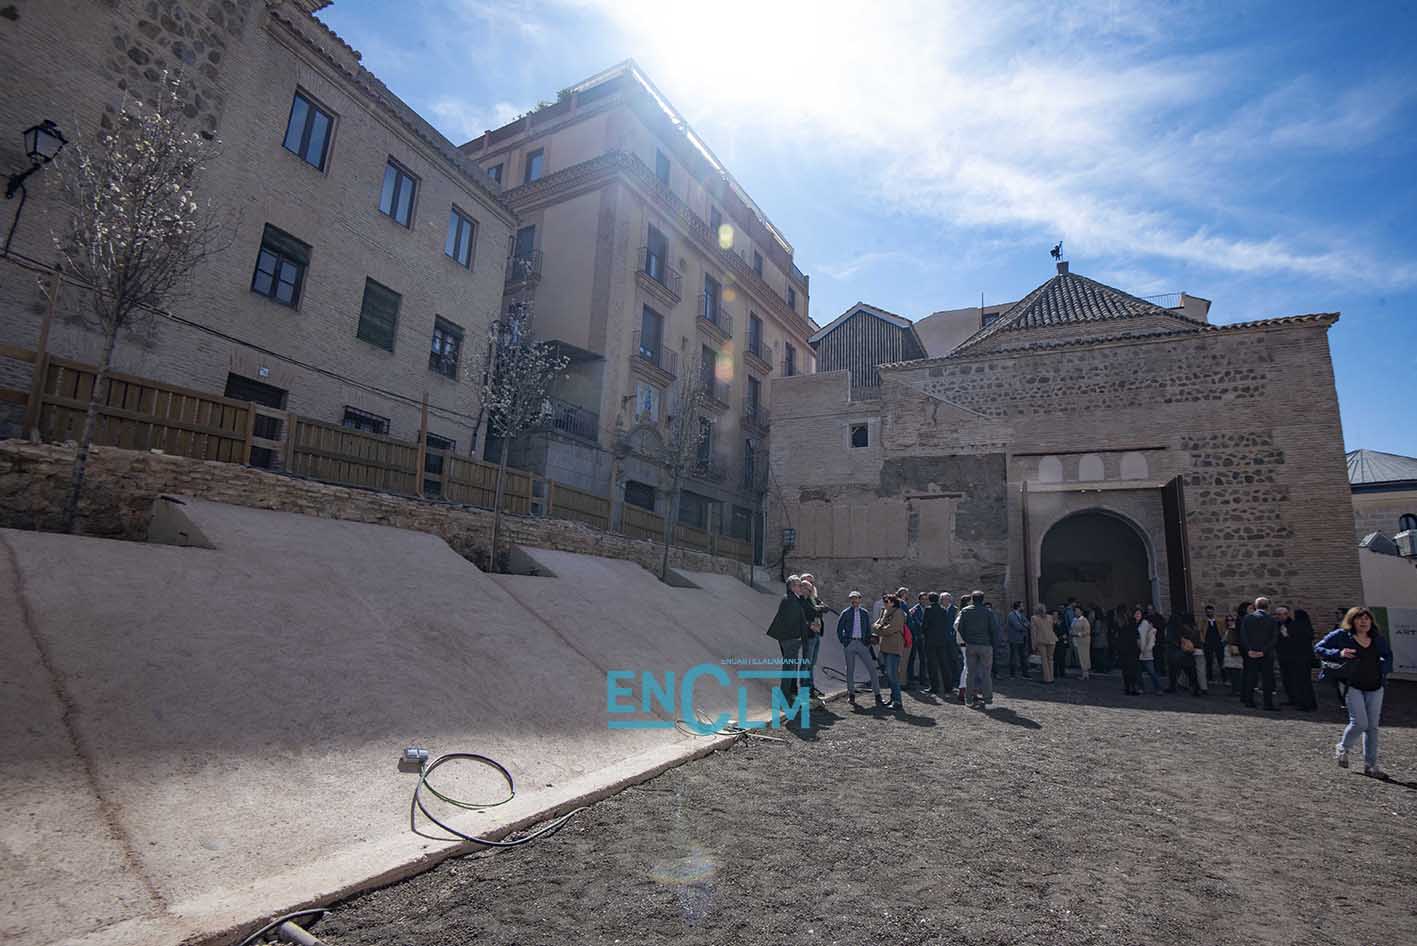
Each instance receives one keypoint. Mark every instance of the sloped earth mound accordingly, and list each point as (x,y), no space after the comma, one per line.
(1063,815)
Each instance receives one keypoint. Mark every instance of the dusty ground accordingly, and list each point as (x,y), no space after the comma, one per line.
(1064,815)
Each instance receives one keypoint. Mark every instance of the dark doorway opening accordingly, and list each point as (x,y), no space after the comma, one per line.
(267,395)
(1094,558)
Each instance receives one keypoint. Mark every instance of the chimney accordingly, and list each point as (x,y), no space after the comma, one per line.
(1062,267)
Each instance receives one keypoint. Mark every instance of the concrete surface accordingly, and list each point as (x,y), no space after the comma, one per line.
(193,739)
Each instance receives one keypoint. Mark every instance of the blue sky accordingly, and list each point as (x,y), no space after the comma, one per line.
(918,154)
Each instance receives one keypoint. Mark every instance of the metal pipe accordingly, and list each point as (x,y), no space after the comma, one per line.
(288,930)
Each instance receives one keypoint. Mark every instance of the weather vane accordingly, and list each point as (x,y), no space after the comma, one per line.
(1057,251)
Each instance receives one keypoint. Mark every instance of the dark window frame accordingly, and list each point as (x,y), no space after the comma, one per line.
(651,316)
(495,171)
(364,421)
(402,176)
(313,108)
(636,493)
(360,331)
(755,334)
(282,259)
(789,361)
(704,451)
(531,156)
(433,463)
(656,263)
(439,361)
(715,221)
(792,298)
(758,263)
(865,439)
(457,218)
(662,167)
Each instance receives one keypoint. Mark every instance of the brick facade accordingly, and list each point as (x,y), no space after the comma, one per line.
(73,60)
(1097,423)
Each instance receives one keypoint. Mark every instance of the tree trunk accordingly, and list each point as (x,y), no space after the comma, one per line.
(498,493)
(670,516)
(81,458)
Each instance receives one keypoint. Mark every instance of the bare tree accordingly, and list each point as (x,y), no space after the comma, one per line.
(516,373)
(684,435)
(136,230)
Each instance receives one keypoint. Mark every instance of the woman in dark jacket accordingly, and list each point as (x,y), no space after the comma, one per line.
(1296,655)
(1129,654)
(1358,654)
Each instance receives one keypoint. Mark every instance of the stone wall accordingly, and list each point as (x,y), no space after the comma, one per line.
(1382,511)
(122,485)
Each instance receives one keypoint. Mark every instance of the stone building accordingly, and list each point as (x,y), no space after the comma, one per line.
(1088,444)
(1384,492)
(368,251)
(640,254)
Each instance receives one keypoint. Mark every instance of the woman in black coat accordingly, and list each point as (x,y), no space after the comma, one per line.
(1295,651)
(1128,652)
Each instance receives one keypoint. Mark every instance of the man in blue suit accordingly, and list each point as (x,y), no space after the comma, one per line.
(853,630)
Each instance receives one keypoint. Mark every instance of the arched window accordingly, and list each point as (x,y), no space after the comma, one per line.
(1050,470)
(1407,521)
(1134,466)
(1090,469)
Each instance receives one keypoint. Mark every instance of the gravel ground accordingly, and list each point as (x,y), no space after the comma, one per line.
(1063,815)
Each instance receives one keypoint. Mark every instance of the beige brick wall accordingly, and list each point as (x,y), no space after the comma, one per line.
(69,59)
(1380,512)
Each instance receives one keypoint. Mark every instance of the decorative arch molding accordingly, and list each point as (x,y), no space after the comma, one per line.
(1153,561)
(1050,470)
(1091,468)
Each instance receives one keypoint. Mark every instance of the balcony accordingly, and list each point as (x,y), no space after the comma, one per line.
(524,268)
(715,395)
(715,318)
(759,356)
(755,418)
(574,421)
(710,469)
(653,360)
(659,278)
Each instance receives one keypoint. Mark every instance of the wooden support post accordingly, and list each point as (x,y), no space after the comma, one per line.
(288,464)
(422,447)
(41,357)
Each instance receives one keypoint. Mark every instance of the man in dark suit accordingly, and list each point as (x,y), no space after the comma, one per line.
(1259,633)
(789,629)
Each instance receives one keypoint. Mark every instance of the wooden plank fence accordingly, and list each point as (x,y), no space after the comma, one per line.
(143,414)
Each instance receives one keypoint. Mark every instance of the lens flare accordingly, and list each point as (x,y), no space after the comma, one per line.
(725,236)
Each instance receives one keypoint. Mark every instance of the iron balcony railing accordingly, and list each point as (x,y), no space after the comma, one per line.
(524,267)
(715,390)
(713,311)
(654,266)
(763,353)
(574,420)
(756,415)
(654,354)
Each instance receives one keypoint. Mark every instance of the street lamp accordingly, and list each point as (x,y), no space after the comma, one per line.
(43,142)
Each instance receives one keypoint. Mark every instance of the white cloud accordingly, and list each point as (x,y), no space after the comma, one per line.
(850,267)
(462,121)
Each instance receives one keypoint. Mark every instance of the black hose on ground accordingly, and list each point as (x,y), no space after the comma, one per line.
(316,912)
(554,825)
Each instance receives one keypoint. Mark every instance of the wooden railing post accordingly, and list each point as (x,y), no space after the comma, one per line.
(422,447)
(288,464)
(250,432)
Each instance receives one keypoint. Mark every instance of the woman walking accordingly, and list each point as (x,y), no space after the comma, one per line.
(1146,645)
(890,628)
(1129,654)
(1040,627)
(1357,654)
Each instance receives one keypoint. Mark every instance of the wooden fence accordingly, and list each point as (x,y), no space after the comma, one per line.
(142,414)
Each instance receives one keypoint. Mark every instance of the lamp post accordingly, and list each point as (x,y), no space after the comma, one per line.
(43,142)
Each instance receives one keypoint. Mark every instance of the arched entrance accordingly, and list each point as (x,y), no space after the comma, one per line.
(1095,557)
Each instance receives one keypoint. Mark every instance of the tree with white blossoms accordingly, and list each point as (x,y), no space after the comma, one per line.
(684,434)
(518,373)
(136,230)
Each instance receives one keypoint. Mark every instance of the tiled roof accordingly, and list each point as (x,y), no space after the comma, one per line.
(1373,466)
(1068,299)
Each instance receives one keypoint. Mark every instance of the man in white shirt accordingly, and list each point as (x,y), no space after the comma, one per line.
(853,630)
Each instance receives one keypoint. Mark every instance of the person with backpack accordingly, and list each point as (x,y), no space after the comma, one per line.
(1358,656)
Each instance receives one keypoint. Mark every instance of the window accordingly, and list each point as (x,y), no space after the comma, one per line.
(1406,521)
(789,360)
(715,223)
(378,315)
(860,435)
(534,162)
(495,172)
(525,243)
(639,494)
(792,298)
(307,133)
(705,450)
(661,166)
(750,459)
(433,463)
(646,402)
(708,365)
(355,419)
(758,263)
(755,335)
(754,396)
(656,252)
(280,266)
(396,198)
(651,332)
(712,291)
(462,229)
(693,509)
(447,345)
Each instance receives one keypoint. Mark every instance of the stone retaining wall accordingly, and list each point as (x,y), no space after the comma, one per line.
(122,484)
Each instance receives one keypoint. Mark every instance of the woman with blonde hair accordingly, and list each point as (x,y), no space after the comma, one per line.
(1358,656)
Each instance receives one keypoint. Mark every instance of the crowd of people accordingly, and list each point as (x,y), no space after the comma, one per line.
(956,650)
